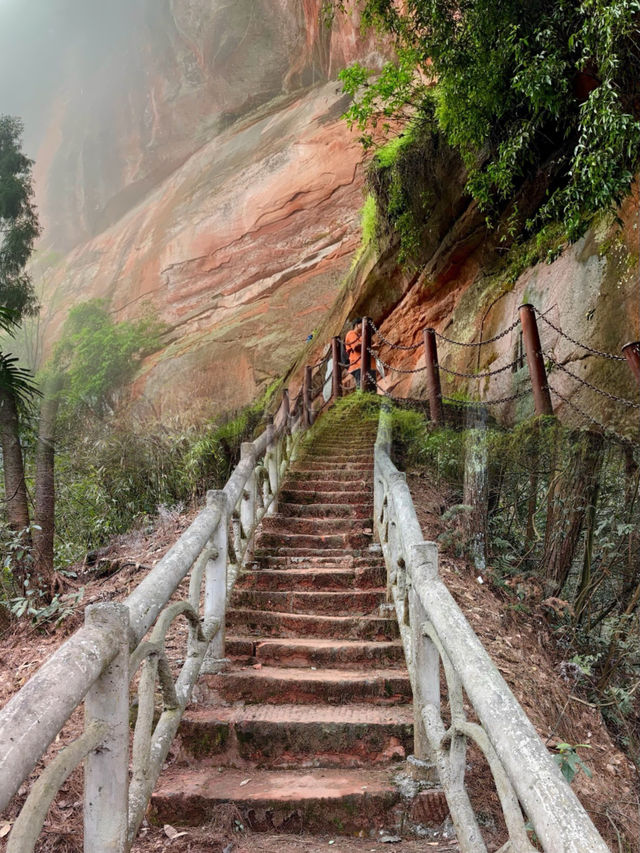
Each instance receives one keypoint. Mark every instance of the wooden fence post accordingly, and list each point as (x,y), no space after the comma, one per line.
(436,409)
(336,376)
(537,372)
(366,380)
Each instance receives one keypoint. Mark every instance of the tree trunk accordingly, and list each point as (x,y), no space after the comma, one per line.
(45,484)
(575,491)
(13,466)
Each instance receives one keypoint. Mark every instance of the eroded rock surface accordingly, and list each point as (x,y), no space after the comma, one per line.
(191,162)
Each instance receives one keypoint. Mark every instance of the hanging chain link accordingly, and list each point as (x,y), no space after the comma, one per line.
(480,375)
(321,362)
(384,340)
(590,418)
(480,343)
(578,343)
(492,402)
(398,369)
(584,382)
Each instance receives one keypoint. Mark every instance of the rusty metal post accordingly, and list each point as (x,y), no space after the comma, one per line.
(366,381)
(336,375)
(306,397)
(631,352)
(537,372)
(436,409)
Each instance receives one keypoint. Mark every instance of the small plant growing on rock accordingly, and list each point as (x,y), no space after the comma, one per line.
(569,761)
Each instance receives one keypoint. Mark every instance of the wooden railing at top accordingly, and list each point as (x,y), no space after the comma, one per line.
(98,662)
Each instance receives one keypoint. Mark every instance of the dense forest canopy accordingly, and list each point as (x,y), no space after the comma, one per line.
(526,90)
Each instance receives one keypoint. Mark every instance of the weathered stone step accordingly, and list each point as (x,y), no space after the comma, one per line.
(333,439)
(316,578)
(284,551)
(288,736)
(318,510)
(298,495)
(371,557)
(274,624)
(323,464)
(291,801)
(313,526)
(292,685)
(301,652)
(351,602)
(329,475)
(304,541)
(328,482)
(334,459)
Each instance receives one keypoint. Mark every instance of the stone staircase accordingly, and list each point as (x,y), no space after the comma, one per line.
(309,727)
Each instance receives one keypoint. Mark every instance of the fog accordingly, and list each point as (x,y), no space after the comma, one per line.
(47,45)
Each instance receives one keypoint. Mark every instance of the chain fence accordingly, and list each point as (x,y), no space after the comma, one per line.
(378,334)
(584,382)
(496,401)
(492,340)
(602,427)
(585,347)
(489,374)
(484,375)
(322,361)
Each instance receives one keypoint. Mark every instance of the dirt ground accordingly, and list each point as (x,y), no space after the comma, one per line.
(520,644)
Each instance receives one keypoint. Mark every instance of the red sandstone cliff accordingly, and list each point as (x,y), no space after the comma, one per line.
(191,162)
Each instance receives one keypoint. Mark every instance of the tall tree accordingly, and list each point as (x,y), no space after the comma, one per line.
(19,228)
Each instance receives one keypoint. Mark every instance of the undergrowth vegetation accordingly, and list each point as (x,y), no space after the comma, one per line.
(114,470)
(540,92)
(561,518)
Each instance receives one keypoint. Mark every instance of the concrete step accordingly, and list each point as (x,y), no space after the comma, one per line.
(302,553)
(339,474)
(300,542)
(334,603)
(313,526)
(313,578)
(292,685)
(371,557)
(320,463)
(319,510)
(283,801)
(301,652)
(357,497)
(328,481)
(289,736)
(274,624)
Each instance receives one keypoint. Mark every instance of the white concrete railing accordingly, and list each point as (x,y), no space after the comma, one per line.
(434,631)
(98,662)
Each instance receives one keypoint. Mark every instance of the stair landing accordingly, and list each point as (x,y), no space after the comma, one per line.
(308,729)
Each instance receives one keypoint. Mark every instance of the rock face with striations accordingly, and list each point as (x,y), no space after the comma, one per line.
(191,162)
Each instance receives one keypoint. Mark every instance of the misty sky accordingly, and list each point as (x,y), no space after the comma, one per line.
(38,42)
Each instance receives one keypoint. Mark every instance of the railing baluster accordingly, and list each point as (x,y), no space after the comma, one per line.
(273,468)
(248,502)
(215,595)
(106,771)
(426,662)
